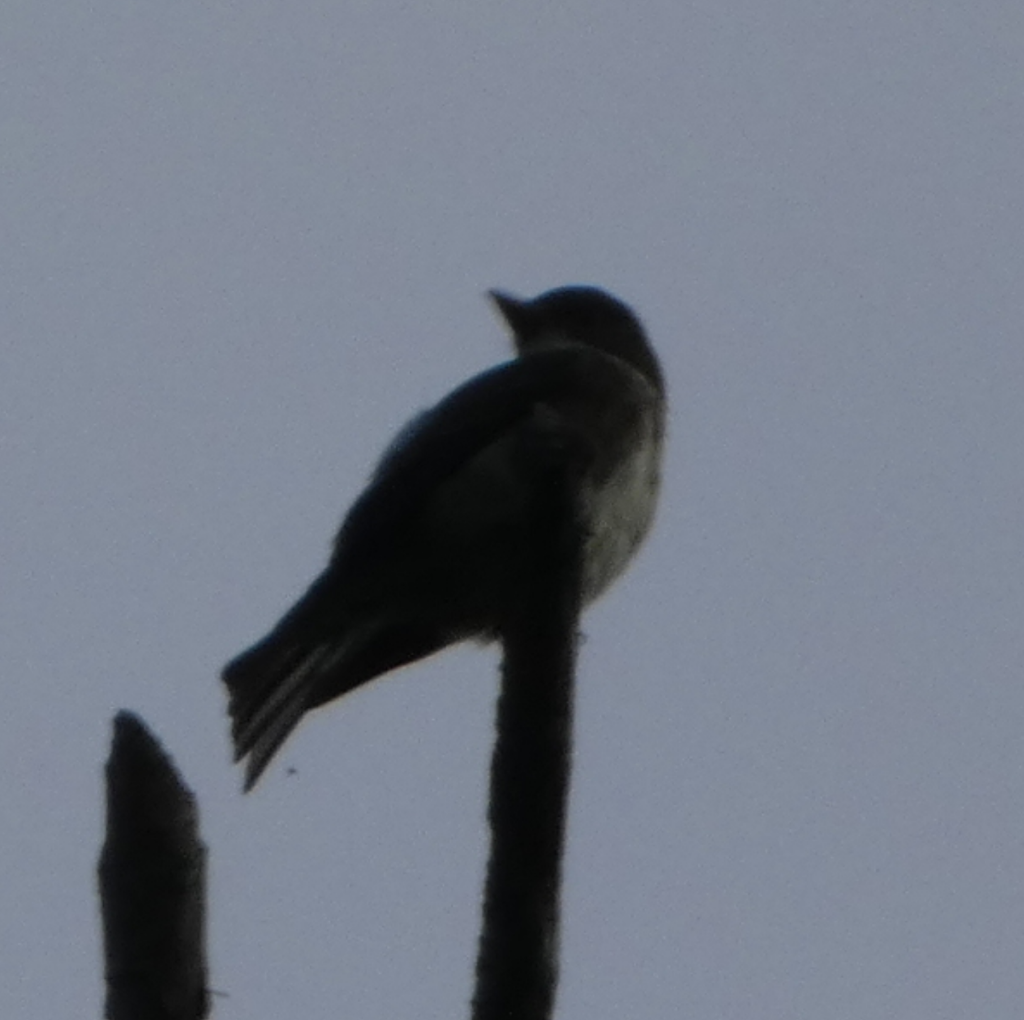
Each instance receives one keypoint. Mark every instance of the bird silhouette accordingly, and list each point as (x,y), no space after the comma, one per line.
(430,553)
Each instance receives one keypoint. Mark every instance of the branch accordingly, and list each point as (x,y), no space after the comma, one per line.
(517,964)
(152,884)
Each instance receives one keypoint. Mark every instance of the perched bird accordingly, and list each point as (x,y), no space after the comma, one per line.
(429,555)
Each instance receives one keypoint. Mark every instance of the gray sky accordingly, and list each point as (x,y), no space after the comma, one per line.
(244,241)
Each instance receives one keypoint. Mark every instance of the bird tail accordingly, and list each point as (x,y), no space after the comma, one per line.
(269,689)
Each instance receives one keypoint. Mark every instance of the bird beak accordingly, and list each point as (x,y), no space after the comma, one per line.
(514,311)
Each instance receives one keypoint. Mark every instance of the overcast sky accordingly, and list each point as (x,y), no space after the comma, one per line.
(244,241)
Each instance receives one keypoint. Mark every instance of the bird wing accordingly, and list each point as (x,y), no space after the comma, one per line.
(440,441)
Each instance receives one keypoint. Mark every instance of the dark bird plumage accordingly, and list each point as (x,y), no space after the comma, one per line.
(428,554)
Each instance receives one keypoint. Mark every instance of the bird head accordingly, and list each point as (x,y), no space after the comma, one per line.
(579,315)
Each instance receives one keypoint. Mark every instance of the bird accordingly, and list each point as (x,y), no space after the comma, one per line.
(429,554)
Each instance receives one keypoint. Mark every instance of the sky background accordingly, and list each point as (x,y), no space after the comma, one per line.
(244,241)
